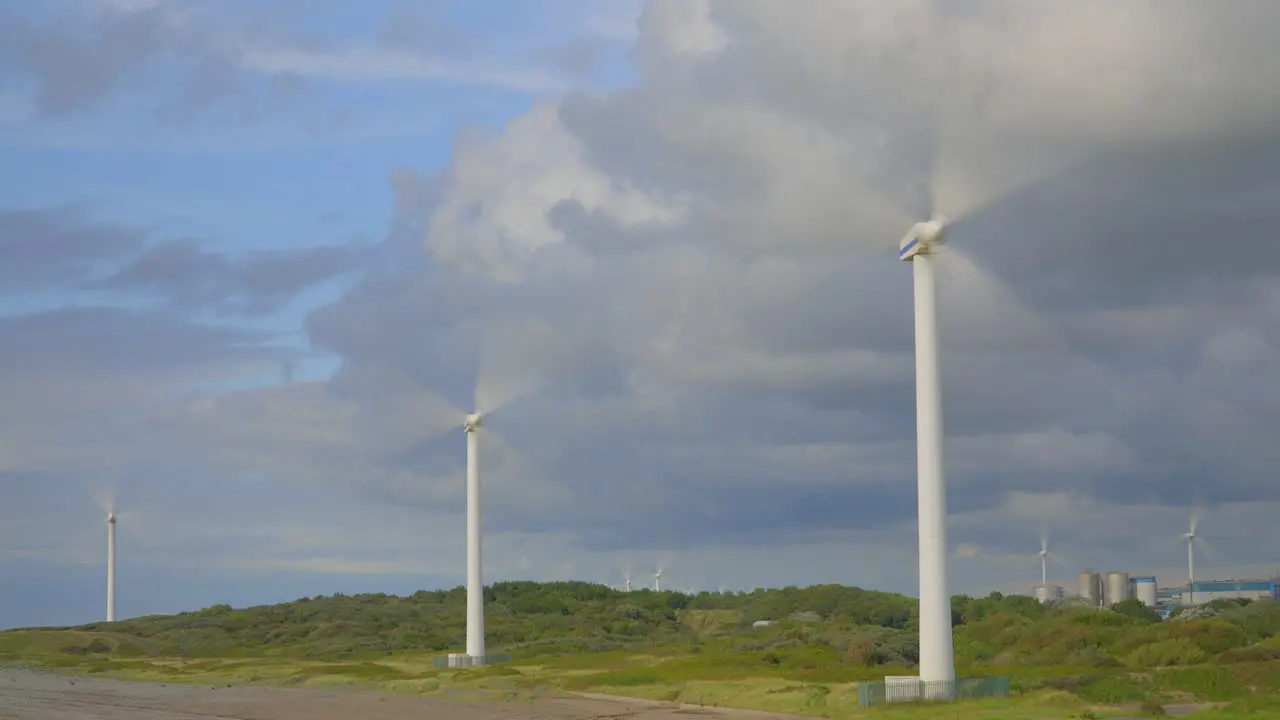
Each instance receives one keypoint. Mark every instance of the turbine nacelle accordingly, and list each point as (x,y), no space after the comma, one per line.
(473,423)
(923,239)
(111,518)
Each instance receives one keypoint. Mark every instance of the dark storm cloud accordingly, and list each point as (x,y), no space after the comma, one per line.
(59,248)
(1146,226)
(256,283)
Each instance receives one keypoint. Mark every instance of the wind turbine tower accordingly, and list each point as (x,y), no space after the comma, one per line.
(111,566)
(937,651)
(475,576)
(1190,537)
(657,581)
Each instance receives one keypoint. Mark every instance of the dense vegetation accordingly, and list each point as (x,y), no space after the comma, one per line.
(710,648)
(832,625)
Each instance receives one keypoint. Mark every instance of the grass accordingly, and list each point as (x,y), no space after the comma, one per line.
(800,680)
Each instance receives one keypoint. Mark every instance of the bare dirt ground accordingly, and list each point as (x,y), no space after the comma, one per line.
(26,695)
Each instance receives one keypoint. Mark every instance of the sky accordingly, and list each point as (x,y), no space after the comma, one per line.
(257,259)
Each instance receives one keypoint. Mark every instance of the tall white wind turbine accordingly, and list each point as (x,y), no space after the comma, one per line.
(937,650)
(967,172)
(475,538)
(1044,561)
(105,499)
(657,580)
(404,413)
(111,566)
(1190,538)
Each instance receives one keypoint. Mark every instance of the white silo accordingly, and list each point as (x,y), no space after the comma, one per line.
(1117,587)
(1089,587)
(1144,588)
(1048,593)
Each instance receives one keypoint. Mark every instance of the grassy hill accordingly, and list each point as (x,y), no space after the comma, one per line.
(580,636)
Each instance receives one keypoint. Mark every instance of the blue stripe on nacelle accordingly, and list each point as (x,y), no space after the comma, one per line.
(909,247)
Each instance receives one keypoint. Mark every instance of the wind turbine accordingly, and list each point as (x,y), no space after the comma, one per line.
(1190,538)
(404,414)
(657,580)
(966,171)
(111,566)
(937,649)
(105,499)
(1044,563)
(627,582)
(1045,556)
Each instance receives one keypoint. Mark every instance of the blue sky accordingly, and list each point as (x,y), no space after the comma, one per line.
(659,236)
(261,184)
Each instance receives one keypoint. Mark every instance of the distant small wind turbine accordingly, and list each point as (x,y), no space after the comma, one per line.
(111,566)
(1044,556)
(657,580)
(107,504)
(1192,539)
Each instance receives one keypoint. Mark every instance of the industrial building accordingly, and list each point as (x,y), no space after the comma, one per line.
(1104,591)
(1207,591)
(1100,590)
(1118,588)
(1049,593)
(1089,587)
(1144,588)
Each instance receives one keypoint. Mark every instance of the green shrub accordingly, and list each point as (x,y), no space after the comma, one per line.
(1111,689)
(1136,610)
(1206,682)
(1253,653)
(1177,651)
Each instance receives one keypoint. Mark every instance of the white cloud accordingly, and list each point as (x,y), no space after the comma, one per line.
(392,65)
(714,245)
(495,213)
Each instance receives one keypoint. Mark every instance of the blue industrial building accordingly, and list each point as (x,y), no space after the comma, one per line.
(1207,591)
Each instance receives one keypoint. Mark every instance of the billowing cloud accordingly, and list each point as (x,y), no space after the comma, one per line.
(705,336)
(723,230)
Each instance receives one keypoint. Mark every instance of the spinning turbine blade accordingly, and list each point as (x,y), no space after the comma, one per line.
(516,358)
(104,496)
(978,161)
(397,412)
(989,317)
(1208,550)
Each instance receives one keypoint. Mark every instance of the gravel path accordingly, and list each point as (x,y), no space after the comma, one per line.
(26,695)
